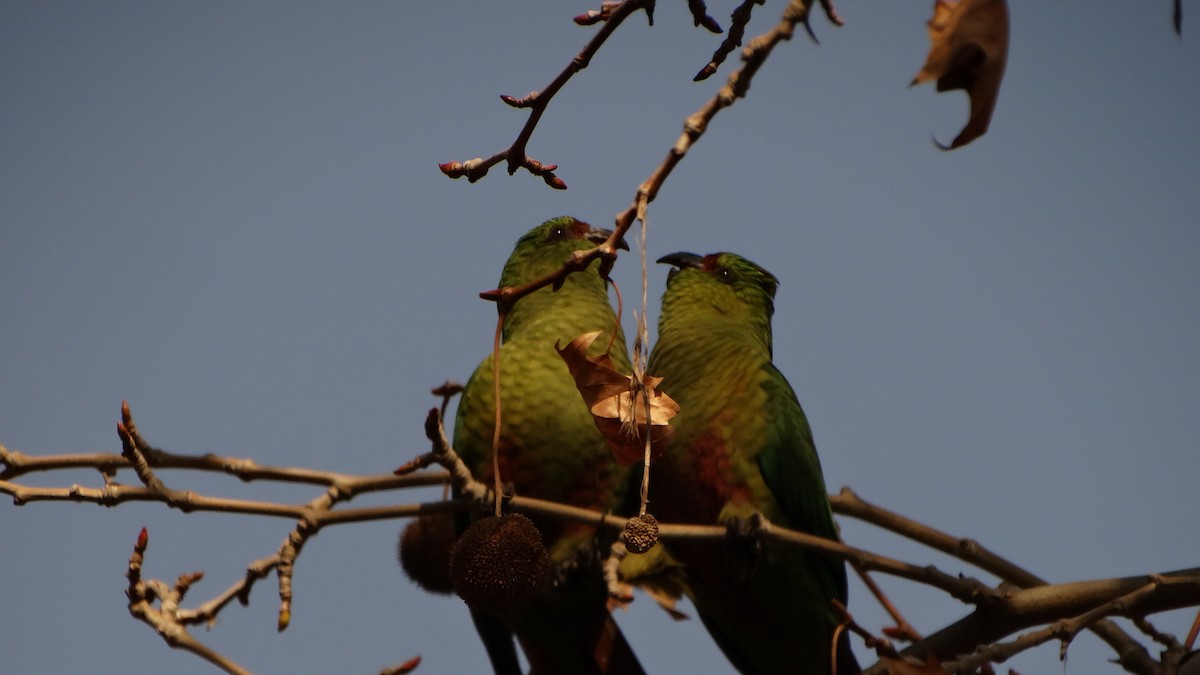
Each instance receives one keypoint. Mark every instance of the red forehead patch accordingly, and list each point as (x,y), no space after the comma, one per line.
(580,229)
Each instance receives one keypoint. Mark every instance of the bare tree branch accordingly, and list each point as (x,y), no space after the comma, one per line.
(578,261)
(700,16)
(1085,601)
(164,619)
(736,87)
(737,30)
(536,102)
(694,127)
(17,464)
(1065,630)
(1133,656)
(999,612)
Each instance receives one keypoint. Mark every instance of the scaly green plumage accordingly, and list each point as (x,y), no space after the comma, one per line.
(549,445)
(742,445)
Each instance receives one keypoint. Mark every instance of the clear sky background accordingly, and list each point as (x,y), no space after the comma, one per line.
(230,214)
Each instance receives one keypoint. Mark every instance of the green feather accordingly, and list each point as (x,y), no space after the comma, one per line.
(741,445)
(549,445)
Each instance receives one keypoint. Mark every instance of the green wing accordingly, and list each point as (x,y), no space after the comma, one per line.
(792,470)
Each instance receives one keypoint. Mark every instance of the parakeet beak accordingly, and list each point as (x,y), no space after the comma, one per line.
(599,235)
(682,260)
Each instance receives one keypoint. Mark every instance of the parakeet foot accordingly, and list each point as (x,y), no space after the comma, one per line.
(582,567)
(743,545)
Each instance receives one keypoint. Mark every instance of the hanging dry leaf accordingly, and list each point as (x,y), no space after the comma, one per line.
(969,49)
(619,413)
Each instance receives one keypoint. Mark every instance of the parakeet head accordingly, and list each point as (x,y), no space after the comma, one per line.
(544,248)
(721,284)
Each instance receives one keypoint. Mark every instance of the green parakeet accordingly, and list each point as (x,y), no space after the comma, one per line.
(742,445)
(550,448)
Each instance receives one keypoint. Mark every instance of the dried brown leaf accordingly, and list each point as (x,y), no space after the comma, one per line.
(617,403)
(968,51)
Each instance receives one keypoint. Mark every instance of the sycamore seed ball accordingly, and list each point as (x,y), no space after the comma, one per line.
(424,551)
(499,564)
(641,533)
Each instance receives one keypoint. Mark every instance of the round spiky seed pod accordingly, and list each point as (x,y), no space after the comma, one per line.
(641,533)
(424,551)
(499,564)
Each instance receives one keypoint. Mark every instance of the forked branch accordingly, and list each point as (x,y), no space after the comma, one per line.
(536,103)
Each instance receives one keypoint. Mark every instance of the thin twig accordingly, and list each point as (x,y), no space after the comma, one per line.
(17,464)
(737,30)
(536,102)
(611,568)
(442,453)
(446,391)
(903,629)
(1192,633)
(848,503)
(143,593)
(735,87)
(578,261)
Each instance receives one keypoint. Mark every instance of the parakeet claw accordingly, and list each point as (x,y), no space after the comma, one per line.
(743,546)
(580,568)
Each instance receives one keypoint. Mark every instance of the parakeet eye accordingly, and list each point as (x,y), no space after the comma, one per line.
(724,274)
(557,234)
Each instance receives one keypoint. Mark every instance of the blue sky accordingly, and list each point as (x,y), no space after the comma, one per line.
(230,215)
